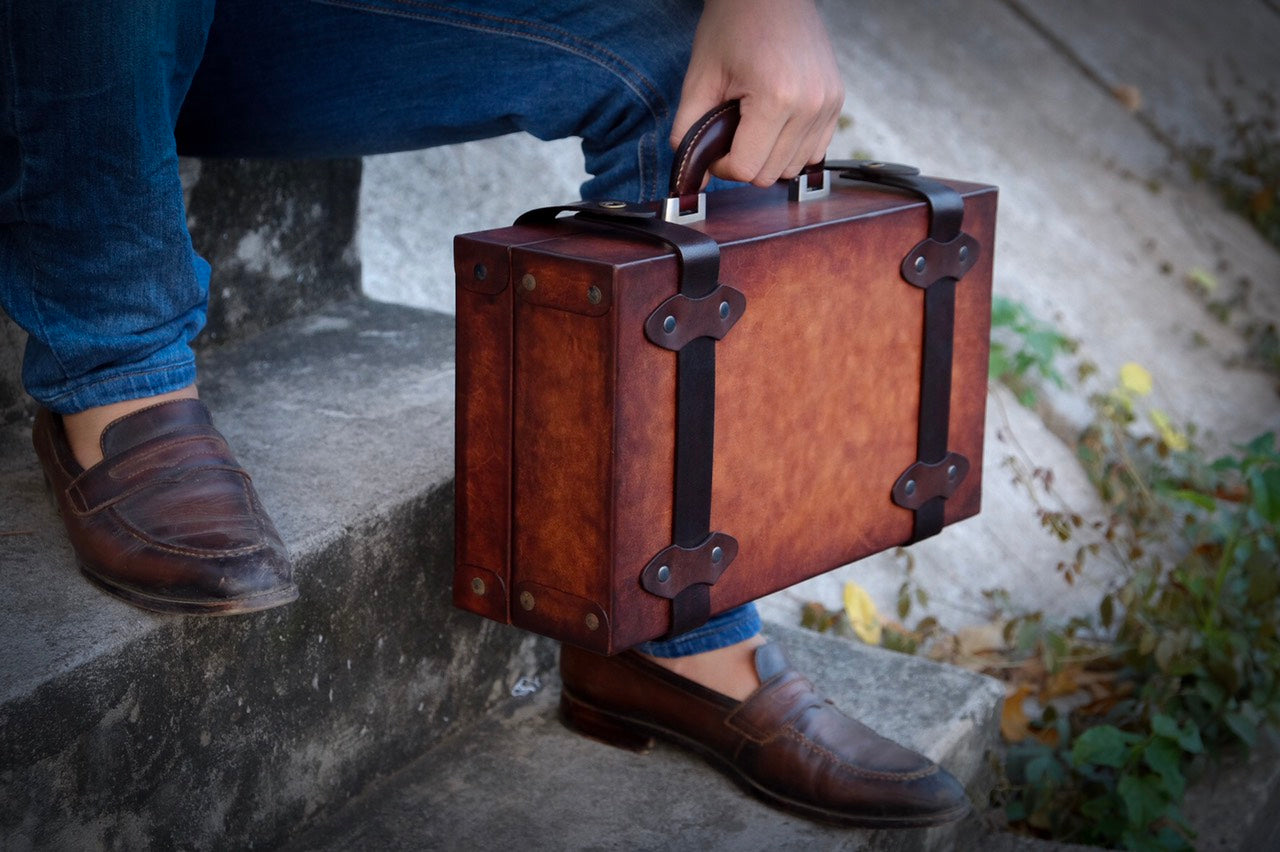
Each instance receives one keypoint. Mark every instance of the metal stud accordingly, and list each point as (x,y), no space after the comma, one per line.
(717,553)
(477,586)
(951,473)
(528,281)
(910,487)
(526,600)
(664,573)
(669,324)
(612,205)
(921,264)
(724,310)
(481,272)
(594,295)
(593,621)
(963,253)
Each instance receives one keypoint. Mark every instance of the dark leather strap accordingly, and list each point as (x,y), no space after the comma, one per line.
(934,265)
(699,264)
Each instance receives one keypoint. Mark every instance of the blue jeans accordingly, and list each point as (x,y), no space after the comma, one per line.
(97,100)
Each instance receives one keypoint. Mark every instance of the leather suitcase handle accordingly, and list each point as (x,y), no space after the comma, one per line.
(705,142)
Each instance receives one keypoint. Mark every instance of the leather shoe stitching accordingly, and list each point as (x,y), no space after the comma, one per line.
(169,548)
(124,469)
(80,503)
(858,770)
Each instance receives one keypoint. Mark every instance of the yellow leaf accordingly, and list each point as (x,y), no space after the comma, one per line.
(1135,379)
(1203,281)
(1129,96)
(862,614)
(1014,724)
(1172,437)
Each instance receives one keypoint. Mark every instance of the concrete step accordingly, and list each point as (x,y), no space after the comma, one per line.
(122,729)
(519,780)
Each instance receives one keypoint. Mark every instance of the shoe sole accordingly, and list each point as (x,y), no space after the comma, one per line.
(169,606)
(636,735)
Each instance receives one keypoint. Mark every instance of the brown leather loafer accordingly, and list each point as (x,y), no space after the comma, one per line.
(785,743)
(168,520)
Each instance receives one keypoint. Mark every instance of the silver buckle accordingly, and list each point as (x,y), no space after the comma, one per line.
(798,188)
(671,211)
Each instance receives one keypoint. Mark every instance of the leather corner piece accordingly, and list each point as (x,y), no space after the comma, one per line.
(481,591)
(931,261)
(923,482)
(677,568)
(680,319)
(556,613)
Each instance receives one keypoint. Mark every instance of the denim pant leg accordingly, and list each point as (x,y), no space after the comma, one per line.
(349,77)
(95,260)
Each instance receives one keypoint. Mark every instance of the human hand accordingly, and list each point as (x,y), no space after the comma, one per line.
(775,58)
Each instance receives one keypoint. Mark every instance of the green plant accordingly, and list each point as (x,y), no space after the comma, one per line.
(1023,348)
(1192,632)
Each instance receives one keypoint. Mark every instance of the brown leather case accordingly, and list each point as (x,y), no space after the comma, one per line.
(566,411)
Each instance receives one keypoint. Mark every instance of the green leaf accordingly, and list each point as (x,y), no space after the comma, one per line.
(1187,737)
(1142,799)
(1199,498)
(1044,768)
(1164,756)
(1264,488)
(1243,727)
(1105,745)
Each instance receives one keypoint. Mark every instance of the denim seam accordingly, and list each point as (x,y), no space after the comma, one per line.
(552,36)
(118,376)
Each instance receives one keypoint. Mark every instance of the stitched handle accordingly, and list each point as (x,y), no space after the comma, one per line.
(705,142)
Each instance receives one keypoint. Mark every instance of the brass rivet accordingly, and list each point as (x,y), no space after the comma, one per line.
(594,295)
(920,264)
(481,272)
(528,281)
(526,600)
(664,574)
(910,487)
(717,554)
(592,621)
(477,586)
(613,205)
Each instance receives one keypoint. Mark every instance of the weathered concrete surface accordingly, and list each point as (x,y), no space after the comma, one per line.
(280,236)
(412,205)
(121,729)
(520,780)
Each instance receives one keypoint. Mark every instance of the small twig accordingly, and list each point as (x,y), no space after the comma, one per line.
(4,533)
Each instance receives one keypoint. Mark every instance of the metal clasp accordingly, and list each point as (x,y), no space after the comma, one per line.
(799,188)
(671,211)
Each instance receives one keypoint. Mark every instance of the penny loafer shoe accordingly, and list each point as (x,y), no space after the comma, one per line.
(168,520)
(785,743)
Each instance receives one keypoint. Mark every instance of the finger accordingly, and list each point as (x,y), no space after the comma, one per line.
(753,146)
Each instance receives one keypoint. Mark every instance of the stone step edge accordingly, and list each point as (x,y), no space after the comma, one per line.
(163,731)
